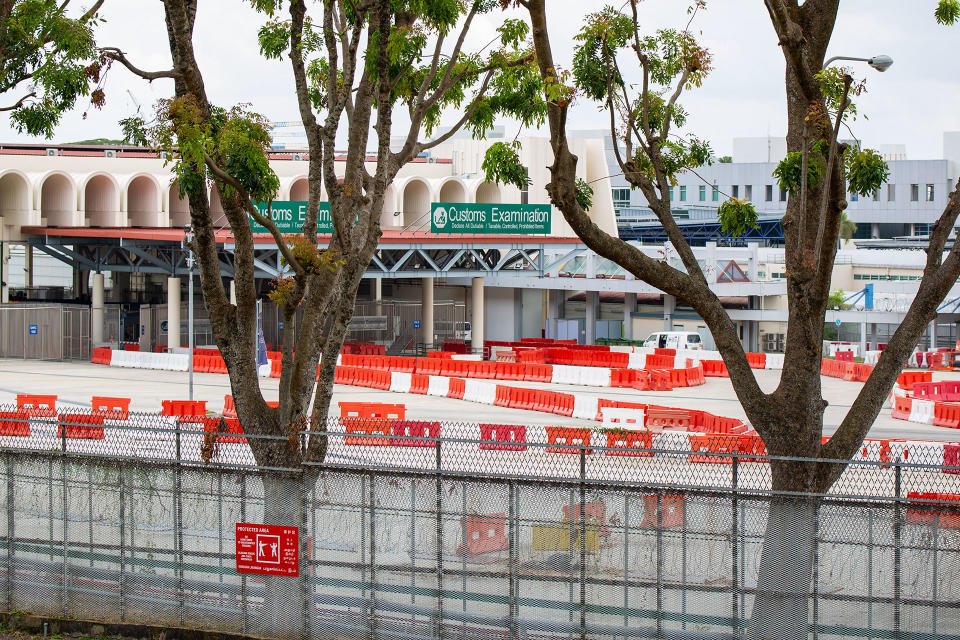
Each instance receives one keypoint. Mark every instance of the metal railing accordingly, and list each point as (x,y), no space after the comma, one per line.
(449,540)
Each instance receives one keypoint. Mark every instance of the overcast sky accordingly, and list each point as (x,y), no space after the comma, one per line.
(912,103)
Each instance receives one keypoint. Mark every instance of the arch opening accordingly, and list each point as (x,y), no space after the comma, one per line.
(58,201)
(452,191)
(300,190)
(179,208)
(101,203)
(14,198)
(143,199)
(488,192)
(416,203)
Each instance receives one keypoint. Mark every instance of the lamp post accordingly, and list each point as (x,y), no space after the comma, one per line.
(188,234)
(880,63)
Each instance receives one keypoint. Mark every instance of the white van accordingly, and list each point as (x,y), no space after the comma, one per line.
(674,340)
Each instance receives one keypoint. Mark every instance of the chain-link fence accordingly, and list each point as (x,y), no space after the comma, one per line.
(455,540)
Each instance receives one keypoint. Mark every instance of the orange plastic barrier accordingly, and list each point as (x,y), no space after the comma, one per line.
(928,391)
(844,356)
(185,410)
(658,362)
(715,369)
(405,432)
(906,379)
(945,515)
(951,458)
(276,367)
(659,417)
(757,360)
(368,427)
(660,380)
(594,513)
(573,437)
(729,444)
(457,388)
(86,426)
(111,408)
(946,414)
(503,437)
(419,383)
(231,426)
(14,423)
(37,406)
(229,408)
(672,511)
(901,408)
(101,355)
(629,443)
(483,534)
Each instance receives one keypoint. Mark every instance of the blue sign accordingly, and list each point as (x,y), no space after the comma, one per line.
(416,324)
(838,322)
(34,329)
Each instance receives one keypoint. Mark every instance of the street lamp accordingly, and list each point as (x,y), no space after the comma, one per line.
(188,236)
(880,63)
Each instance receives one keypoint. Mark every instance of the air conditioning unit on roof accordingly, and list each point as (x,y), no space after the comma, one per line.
(53,152)
(109,153)
(298,157)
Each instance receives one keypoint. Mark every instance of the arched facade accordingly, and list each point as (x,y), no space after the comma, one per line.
(15,205)
(416,202)
(101,202)
(144,206)
(389,208)
(488,192)
(300,190)
(178,209)
(452,190)
(58,200)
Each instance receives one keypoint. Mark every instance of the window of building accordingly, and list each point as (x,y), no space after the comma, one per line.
(891,192)
(670,194)
(922,229)
(768,193)
(914,193)
(783,195)
(853,197)
(929,193)
(715,195)
(525,194)
(876,195)
(703,192)
(736,191)
(748,192)
(621,198)
(683,193)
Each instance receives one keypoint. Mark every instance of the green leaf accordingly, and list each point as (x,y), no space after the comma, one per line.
(502,165)
(736,217)
(584,194)
(947,12)
(866,170)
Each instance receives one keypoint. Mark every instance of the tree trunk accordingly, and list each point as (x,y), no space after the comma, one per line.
(283,598)
(782,604)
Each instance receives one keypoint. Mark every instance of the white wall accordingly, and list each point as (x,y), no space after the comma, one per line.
(499,318)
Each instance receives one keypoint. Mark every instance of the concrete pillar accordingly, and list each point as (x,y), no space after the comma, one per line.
(96,309)
(477,311)
(517,314)
(593,308)
(629,308)
(233,291)
(669,305)
(933,335)
(173,312)
(874,229)
(863,338)
(426,311)
(28,266)
(378,289)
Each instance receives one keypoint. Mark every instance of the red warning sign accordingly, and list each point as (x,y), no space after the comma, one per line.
(267,549)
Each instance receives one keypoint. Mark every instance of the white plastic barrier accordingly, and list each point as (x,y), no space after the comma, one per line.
(622,418)
(870,450)
(871,357)
(585,406)
(565,374)
(914,360)
(482,392)
(833,347)
(400,381)
(673,441)
(621,348)
(438,386)
(921,411)
(923,452)
(637,361)
(475,357)
(263,370)
(595,376)
(774,361)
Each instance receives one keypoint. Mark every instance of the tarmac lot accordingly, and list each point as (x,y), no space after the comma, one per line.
(76,382)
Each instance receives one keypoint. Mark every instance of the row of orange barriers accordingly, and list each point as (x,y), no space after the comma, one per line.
(942,509)
(360,377)
(943,391)
(907,379)
(732,445)
(850,371)
(209,364)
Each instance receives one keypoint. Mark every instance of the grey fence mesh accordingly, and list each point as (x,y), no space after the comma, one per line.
(451,541)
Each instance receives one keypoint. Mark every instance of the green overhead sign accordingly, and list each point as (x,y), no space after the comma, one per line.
(288,215)
(470,217)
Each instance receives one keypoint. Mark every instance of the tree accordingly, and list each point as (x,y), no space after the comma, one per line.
(352,65)
(47,61)
(818,171)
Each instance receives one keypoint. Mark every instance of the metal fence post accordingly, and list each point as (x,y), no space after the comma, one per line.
(64,514)
(897,521)
(512,556)
(936,568)
(306,504)
(439,508)
(734,539)
(123,544)
(243,576)
(178,528)
(372,606)
(10,532)
(659,564)
(583,542)
(816,571)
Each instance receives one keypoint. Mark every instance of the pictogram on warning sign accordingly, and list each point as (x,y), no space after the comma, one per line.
(267,549)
